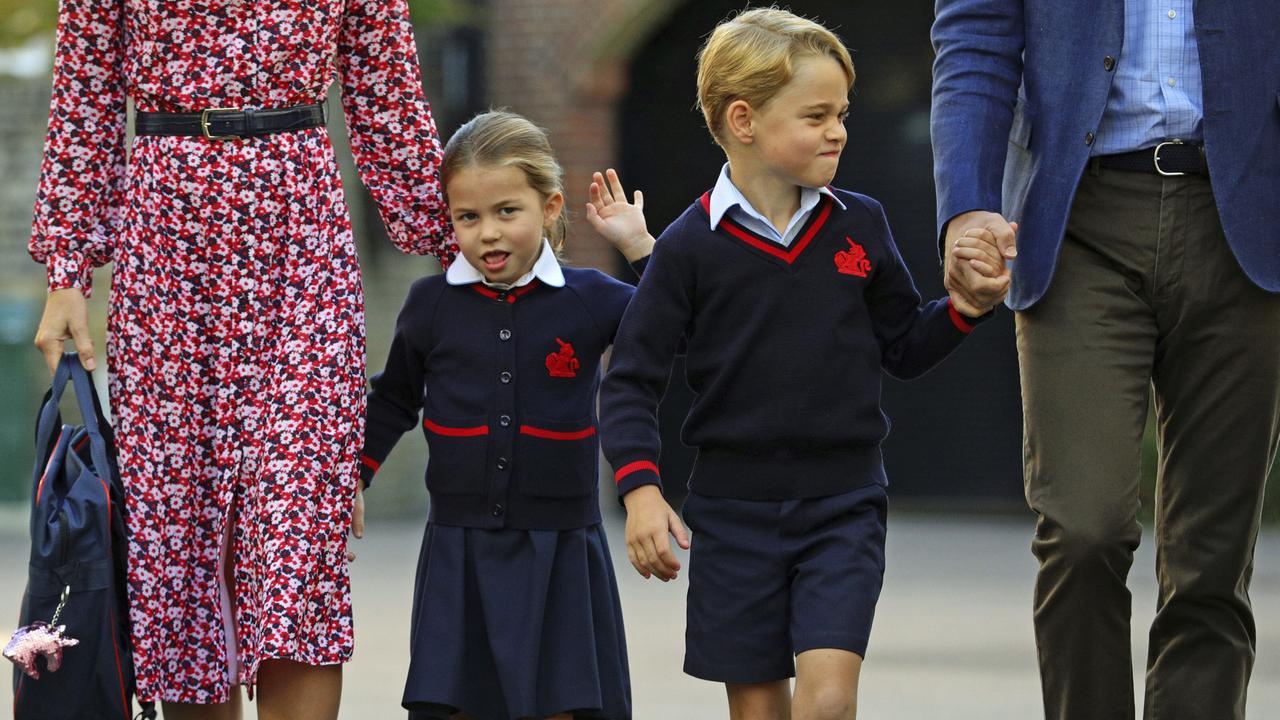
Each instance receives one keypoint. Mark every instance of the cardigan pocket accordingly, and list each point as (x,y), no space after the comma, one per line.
(456,449)
(556,458)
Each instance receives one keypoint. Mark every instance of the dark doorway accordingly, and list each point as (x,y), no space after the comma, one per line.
(957,432)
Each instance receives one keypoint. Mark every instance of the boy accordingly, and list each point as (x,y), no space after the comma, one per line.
(791,298)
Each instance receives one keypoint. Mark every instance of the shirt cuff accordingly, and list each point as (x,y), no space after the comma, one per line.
(632,475)
(69,270)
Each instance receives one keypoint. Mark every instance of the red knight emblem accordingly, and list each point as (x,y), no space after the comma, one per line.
(562,362)
(853,261)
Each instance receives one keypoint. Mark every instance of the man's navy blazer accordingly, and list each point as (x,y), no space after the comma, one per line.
(1019,87)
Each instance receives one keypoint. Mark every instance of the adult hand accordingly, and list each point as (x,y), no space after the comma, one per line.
(66,317)
(964,282)
(649,520)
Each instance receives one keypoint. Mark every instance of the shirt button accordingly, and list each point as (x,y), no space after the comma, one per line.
(505,377)
(1088,138)
(1108,63)
(504,420)
(502,297)
(497,510)
(502,463)
(1173,14)
(1171,82)
(504,334)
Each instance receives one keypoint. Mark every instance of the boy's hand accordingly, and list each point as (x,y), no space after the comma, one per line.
(974,293)
(357,520)
(962,280)
(649,519)
(621,222)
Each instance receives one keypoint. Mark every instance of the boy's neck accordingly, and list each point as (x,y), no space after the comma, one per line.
(773,197)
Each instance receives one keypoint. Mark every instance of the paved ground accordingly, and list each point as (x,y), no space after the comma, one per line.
(952,638)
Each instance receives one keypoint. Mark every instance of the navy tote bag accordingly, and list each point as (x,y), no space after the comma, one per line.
(76,577)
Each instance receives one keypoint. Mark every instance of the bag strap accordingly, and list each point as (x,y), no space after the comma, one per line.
(95,424)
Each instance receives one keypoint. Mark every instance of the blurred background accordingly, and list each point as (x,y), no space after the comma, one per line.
(613,82)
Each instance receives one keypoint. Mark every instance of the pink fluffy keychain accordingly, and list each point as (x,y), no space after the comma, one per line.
(40,639)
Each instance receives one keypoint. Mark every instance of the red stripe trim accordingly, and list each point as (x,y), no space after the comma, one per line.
(370,463)
(455,431)
(80,445)
(557,434)
(786,255)
(634,467)
(54,454)
(511,294)
(124,702)
(961,322)
(107,492)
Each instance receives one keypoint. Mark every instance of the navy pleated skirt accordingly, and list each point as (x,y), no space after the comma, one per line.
(515,624)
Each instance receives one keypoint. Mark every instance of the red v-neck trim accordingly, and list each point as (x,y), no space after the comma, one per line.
(511,295)
(783,253)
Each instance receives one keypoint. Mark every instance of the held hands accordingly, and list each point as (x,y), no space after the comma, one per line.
(621,222)
(649,519)
(66,317)
(977,245)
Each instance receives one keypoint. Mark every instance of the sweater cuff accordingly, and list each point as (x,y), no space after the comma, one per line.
(964,323)
(638,266)
(635,474)
(368,467)
(69,270)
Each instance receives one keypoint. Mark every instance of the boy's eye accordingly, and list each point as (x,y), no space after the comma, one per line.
(844,115)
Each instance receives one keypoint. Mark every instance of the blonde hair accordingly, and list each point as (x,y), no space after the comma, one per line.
(499,138)
(751,55)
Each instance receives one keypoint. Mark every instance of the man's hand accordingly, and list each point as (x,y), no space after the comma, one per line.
(977,243)
(649,520)
(66,317)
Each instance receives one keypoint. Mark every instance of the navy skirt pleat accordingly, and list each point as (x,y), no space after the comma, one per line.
(517,623)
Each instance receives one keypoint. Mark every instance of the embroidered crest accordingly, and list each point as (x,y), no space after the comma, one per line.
(562,363)
(853,261)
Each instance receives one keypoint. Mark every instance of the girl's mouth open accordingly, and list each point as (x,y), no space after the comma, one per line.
(495,261)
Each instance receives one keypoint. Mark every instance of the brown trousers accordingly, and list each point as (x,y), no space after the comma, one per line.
(1147,297)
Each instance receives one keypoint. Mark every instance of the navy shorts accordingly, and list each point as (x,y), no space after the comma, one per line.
(771,579)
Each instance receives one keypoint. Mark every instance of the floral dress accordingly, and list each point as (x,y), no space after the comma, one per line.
(236,323)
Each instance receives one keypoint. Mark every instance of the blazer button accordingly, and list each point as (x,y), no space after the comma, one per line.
(497,510)
(1088,140)
(1108,63)
(504,334)
(504,420)
(505,377)
(502,463)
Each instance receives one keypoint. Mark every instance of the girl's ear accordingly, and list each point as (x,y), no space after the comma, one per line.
(737,121)
(551,209)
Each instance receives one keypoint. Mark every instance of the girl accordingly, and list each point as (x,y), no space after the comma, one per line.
(516,611)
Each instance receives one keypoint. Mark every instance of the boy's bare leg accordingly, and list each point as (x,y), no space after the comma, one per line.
(826,685)
(759,701)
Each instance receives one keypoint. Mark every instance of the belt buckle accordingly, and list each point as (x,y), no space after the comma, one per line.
(204,124)
(1155,157)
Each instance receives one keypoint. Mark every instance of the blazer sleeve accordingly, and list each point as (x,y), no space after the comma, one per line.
(976,75)
(393,135)
(79,198)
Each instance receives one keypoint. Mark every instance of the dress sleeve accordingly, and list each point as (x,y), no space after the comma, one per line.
(79,198)
(393,136)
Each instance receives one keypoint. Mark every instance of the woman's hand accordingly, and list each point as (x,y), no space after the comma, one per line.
(66,317)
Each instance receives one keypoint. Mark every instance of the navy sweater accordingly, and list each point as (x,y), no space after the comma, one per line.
(506,382)
(785,350)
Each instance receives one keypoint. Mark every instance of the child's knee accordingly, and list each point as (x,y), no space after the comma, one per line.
(825,699)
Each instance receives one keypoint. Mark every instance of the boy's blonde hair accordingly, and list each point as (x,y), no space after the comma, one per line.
(499,138)
(751,56)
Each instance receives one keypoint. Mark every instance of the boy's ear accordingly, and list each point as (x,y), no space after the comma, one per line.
(737,121)
(551,209)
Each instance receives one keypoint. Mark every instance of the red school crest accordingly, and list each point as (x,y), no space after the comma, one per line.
(853,261)
(562,363)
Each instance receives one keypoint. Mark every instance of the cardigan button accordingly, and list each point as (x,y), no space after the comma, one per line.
(504,420)
(497,510)
(504,334)
(502,463)
(505,377)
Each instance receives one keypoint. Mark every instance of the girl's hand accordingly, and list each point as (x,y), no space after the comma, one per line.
(66,317)
(649,520)
(621,222)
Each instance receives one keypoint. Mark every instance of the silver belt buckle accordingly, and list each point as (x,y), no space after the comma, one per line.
(1156,158)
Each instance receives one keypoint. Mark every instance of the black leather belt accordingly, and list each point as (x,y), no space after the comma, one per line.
(230,124)
(1172,157)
